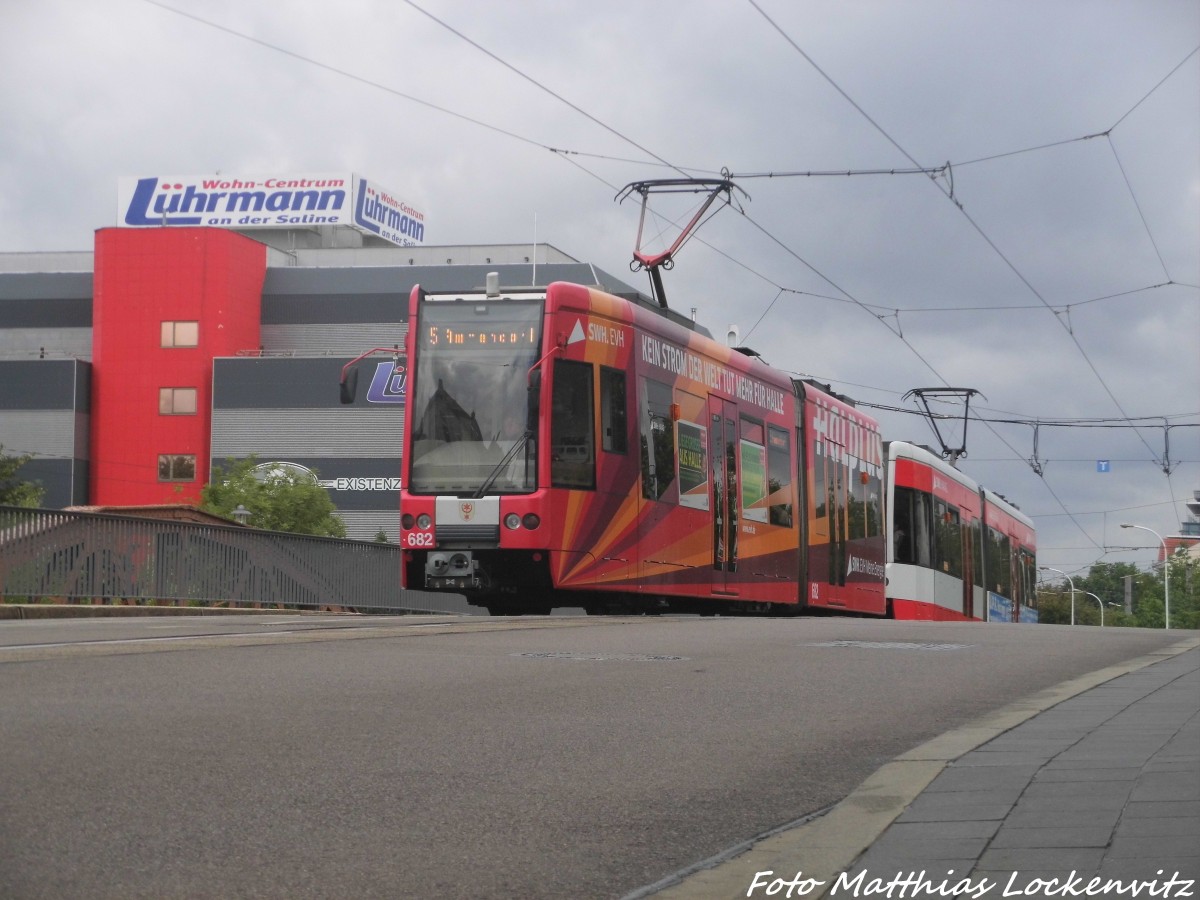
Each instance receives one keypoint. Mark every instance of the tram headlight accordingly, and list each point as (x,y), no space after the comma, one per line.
(531,521)
(512,521)
(406,521)
(423,521)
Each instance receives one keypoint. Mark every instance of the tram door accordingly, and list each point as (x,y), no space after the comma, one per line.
(968,568)
(1017,579)
(836,505)
(722,441)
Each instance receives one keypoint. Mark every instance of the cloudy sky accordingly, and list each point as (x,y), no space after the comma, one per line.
(1050,258)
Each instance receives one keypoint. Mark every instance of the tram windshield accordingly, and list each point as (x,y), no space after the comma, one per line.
(470,405)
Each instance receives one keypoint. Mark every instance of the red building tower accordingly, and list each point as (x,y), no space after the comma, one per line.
(166,302)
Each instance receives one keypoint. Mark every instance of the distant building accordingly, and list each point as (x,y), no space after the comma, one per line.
(1188,537)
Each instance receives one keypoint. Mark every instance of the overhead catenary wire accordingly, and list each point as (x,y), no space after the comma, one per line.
(542,87)
(975,225)
(893,311)
(1138,206)
(345,73)
(1062,319)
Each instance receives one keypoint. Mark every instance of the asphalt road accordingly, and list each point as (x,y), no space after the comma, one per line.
(432,757)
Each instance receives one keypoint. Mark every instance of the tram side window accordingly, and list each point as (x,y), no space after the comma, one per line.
(612,410)
(820,498)
(779,476)
(572,460)
(658,440)
(875,506)
(949,539)
(858,505)
(866,515)
(911,528)
(977,552)
(999,563)
(752,460)
(1028,575)
(873,488)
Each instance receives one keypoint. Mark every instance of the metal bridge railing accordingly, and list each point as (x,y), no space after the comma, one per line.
(72,557)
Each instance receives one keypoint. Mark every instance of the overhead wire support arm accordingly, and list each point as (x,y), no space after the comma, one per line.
(654,262)
(1038,465)
(1166,460)
(950,454)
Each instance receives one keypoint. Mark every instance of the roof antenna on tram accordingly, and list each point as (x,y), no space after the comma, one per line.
(653,262)
(949,453)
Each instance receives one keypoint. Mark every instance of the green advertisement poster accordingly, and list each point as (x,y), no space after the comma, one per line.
(692,441)
(754,481)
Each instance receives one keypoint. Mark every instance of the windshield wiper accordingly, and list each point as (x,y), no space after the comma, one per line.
(503,464)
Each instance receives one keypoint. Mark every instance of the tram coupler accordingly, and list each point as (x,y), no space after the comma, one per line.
(452,570)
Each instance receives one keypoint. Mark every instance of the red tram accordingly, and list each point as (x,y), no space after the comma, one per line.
(569,448)
(955,550)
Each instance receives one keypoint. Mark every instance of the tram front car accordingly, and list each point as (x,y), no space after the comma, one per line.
(471,512)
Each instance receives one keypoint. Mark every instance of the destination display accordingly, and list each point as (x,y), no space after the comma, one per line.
(451,336)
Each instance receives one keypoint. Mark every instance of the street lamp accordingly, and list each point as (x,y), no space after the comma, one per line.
(1101,602)
(1166,572)
(241,514)
(1072,581)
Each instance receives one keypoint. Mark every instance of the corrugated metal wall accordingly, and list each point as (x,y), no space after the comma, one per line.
(350,432)
(44,412)
(332,338)
(286,409)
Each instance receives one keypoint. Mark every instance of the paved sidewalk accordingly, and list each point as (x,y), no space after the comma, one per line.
(1087,789)
(1105,785)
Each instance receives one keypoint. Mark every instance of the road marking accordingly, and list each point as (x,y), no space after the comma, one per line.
(149,640)
(895,645)
(16,653)
(600,657)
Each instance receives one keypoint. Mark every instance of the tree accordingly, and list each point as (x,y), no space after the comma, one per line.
(1185,591)
(1054,605)
(14,491)
(279,499)
(1107,581)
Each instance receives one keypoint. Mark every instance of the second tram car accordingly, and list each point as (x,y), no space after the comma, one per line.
(955,550)
(569,448)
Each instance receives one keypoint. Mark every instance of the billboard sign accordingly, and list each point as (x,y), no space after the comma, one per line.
(389,384)
(379,211)
(241,202)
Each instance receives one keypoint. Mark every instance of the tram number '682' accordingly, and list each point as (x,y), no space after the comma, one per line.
(418,539)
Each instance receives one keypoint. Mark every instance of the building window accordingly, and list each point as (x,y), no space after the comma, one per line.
(176,467)
(180,334)
(177,401)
